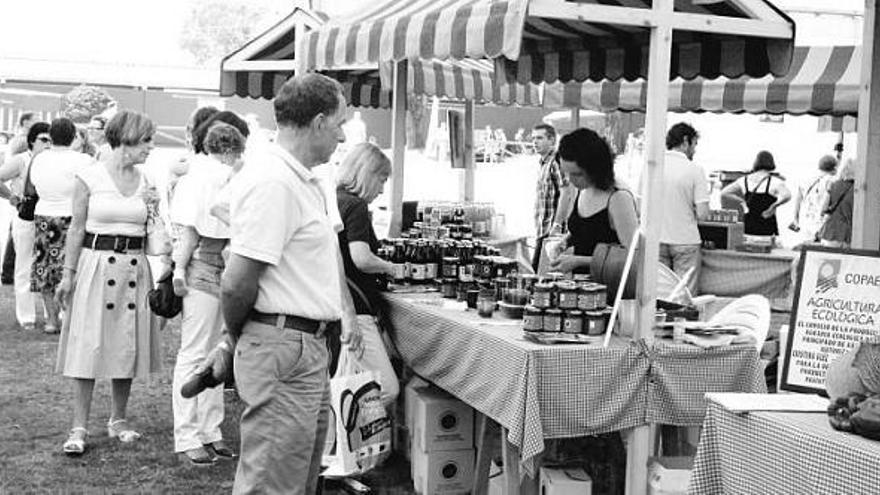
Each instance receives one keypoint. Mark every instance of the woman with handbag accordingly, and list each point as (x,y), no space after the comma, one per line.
(603,211)
(16,171)
(109,332)
(198,265)
(53,176)
(361,178)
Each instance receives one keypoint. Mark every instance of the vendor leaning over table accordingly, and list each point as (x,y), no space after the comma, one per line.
(360,180)
(760,192)
(604,211)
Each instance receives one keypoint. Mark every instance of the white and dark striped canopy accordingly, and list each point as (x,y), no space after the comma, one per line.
(260,68)
(531,48)
(822,80)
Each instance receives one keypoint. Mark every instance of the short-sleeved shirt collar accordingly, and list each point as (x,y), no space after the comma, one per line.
(298,168)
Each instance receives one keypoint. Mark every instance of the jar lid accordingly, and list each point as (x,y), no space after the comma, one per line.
(532,310)
(594,314)
(449,280)
(543,287)
(450,259)
(566,285)
(553,312)
(574,313)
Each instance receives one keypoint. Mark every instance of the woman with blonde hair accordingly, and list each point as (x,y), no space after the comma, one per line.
(360,180)
(837,212)
(198,265)
(109,332)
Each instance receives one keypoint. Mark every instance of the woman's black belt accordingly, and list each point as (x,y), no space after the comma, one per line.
(118,243)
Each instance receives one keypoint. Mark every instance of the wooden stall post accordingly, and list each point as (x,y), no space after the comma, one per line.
(299,47)
(398,146)
(469,166)
(659,60)
(866,210)
(575,117)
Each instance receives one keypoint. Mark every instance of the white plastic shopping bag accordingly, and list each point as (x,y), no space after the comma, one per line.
(362,425)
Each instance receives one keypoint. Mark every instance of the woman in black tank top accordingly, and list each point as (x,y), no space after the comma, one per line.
(602,212)
(760,200)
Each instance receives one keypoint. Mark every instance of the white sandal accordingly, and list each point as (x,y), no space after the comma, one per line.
(118,428)
(76,442)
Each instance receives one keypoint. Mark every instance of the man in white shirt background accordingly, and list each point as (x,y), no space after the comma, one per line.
(686,202)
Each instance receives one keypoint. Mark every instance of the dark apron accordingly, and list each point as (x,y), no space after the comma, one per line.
(758,202)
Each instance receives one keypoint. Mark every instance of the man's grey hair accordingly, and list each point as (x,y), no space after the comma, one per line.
(302,98)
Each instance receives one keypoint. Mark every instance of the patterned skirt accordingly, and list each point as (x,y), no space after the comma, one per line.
(50,234)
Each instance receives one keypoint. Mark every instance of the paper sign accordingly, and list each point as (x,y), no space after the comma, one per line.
(836,306)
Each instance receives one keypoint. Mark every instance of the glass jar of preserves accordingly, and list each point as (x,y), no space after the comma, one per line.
(542,296)
(594,322)
(573,321)
(586,297)
(601,296)
(533,319)
(567,295)
(553,320)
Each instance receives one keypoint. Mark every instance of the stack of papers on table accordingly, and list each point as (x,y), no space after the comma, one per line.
(743,402)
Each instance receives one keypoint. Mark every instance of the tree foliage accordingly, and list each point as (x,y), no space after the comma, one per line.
(82,102)
(216,28)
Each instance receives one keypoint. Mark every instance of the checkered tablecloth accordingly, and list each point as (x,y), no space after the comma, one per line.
(542,392)
(781,453)
(735,273)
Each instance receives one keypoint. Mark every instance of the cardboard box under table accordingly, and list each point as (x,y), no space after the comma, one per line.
(442,442)
(537,392)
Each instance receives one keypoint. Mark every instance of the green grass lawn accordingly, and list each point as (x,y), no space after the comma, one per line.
(35,416)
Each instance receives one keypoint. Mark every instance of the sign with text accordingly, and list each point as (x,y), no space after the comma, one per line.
(836,306)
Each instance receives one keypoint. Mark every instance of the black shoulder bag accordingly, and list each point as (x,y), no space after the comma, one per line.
(163,301)
(29,198)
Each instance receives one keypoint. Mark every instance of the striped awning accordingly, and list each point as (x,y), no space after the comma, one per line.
(822,80)
(260,68)
(531,45)
(456,80)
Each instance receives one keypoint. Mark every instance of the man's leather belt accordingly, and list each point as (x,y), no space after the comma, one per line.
(118,243)
(294,322)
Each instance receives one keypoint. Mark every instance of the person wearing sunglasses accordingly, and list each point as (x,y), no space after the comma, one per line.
(15,171)
(96,137)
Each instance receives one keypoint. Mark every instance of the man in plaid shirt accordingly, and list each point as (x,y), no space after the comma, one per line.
(549,187)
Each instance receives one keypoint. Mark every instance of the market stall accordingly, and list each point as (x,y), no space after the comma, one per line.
(539,392)
(548,40)
(781,452)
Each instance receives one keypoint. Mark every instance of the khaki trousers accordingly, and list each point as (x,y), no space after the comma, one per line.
(282,378)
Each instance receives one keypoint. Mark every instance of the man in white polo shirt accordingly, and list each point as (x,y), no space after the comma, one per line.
(686,202)
(281,292)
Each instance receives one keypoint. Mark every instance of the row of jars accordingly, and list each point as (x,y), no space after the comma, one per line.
(554,320)
(569,295)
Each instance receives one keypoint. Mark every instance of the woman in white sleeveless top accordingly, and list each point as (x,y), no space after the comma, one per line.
(110,332)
